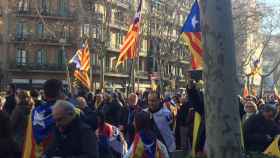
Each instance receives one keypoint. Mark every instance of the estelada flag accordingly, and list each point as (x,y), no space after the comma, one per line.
(191,34)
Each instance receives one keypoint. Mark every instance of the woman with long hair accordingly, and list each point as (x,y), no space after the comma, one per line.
(145,143)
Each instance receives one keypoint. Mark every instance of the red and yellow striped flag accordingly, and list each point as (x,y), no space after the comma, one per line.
(191,33)
(85,58)
(83,77)
(129,46)
(82,61)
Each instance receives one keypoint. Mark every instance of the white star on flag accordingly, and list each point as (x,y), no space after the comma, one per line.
(39,119)
(194,21)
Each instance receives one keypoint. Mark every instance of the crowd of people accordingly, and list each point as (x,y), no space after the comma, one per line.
(57,124)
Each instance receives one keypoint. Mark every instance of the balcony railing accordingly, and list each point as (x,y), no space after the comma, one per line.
(38,67)
(34,12)
(122,3)
(40,38)
(119,24)
(116,71)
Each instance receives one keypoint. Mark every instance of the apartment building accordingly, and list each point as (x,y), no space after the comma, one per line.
(38,37)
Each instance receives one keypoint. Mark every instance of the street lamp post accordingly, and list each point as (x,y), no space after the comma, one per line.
(62,41)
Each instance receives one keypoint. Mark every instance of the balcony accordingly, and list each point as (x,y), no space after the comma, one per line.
(43,39)
(119,24)
(36,67)
(121,3)
(43,13)
(120,72)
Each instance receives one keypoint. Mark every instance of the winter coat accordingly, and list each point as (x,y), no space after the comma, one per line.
(77,140)
(9,104)
(112,112)
(259,133)
(89,117)
(19,121)
(9,148)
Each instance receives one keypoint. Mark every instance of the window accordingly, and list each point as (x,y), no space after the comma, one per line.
(84,30)
(66,32)
(61,57)
(119,39)
(45,5)
(118,17)
(19,30)
(113,62)
(63,7)
(97,32)
(22,30)
(40,30)
(95,60)
(21,57)
(156,5)
(41,57)
(23,5)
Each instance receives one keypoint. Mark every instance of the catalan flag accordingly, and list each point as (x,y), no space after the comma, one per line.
(39,131)
(82,62)
(129,46)
(256,67)
(191,33)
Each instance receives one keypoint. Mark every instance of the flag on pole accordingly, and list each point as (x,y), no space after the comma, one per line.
(256,67)
(82,63)
(83,77)
(191,33)
(129,46)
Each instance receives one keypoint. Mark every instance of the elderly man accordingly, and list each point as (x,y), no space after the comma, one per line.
(88,115)
(72,138)
(260,129)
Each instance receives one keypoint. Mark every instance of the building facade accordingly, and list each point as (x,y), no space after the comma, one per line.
(38,37)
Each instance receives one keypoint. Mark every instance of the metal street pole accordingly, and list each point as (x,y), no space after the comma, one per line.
(63,41)
(90,71)
(223,133)
(102,55)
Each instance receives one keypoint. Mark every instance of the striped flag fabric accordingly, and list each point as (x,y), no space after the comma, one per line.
(82,61)
(129,46)
(191,34)
(83,77)
(85,58)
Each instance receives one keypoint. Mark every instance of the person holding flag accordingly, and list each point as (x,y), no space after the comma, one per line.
(191,33)
(145,143)
(41,124)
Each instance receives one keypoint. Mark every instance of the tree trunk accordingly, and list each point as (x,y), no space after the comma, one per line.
(222,117)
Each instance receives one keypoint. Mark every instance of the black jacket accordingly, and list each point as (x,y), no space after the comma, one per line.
(9,104)
(259,133)
(76,141)
(9,148)
(113,113)
(89,117)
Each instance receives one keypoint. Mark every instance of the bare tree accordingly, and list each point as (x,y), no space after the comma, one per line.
(162,26)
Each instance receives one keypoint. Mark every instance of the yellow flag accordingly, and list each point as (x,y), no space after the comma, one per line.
(273,149)
(153,86)
(197,122)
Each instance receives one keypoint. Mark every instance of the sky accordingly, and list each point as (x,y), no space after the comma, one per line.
(275,4)
(272,2)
